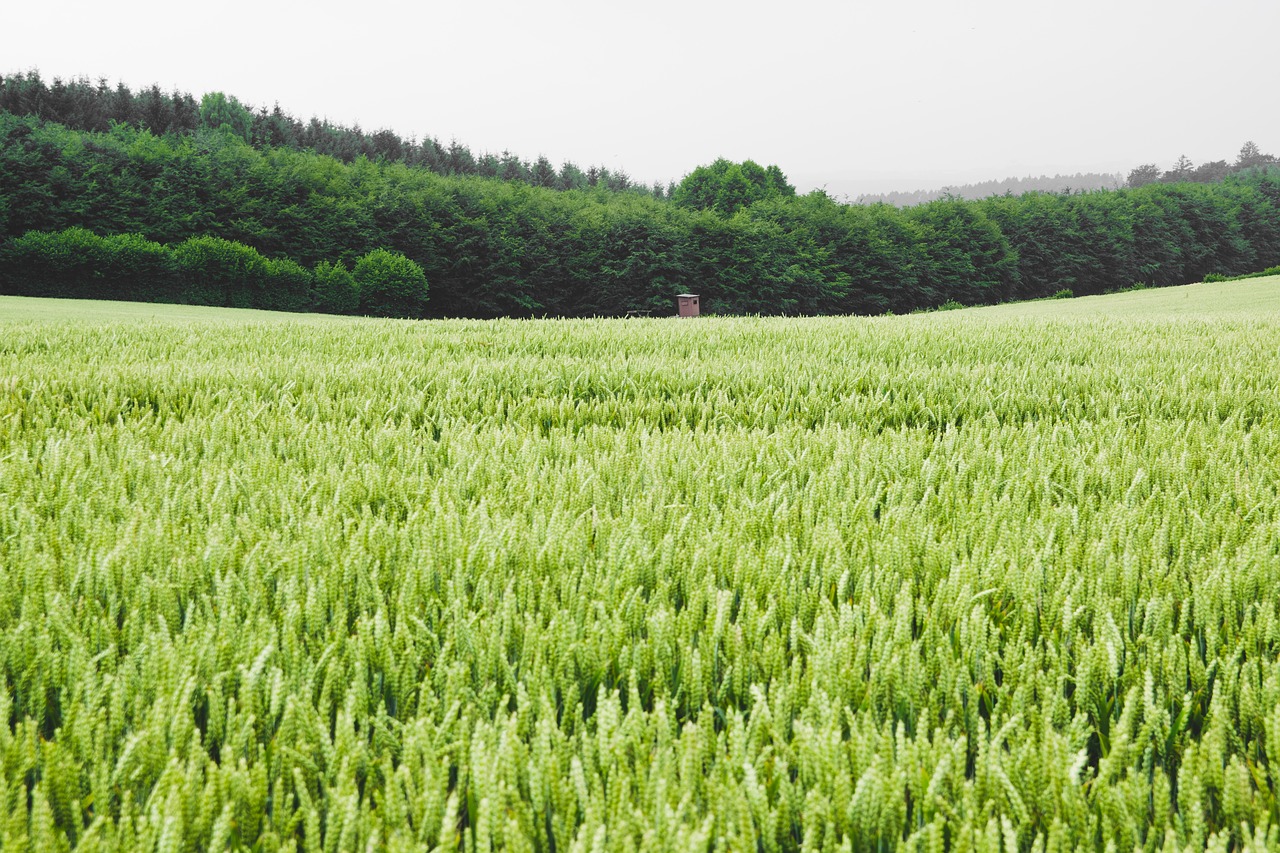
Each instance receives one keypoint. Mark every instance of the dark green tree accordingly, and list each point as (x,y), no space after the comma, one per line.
(970,260)
(735,191)
(513,168)
(699,189)
(777,184)
(543,173)
(65,263)
(570,177)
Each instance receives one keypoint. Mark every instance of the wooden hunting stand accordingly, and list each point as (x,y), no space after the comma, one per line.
(687,305)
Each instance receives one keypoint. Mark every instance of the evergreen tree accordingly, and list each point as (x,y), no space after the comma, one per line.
(543,173)
(570,177)
(1181,171)
(1251,156)
(460,160)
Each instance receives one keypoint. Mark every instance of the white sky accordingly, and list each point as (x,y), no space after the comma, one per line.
(863,96)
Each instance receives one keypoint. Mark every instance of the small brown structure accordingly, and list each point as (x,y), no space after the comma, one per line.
(687,305)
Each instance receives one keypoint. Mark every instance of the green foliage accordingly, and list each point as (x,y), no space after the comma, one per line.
(225,115)
(77,263)
(219,272)
(222,272)
(734,233)
(841,259)
(727,187)
(1065,293)
(390,285)
(969,259)
(740,584)
(287,286)
(335,289)
(65,263)
(1269,271)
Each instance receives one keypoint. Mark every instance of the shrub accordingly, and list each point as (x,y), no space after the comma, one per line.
(220,272)
(77,263)
(286,286)
(1216,277)
(390,285)
(63,263)
(1065,293)
(136,268)
(334,289)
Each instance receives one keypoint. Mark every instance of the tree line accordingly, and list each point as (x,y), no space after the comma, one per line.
(737,233)
(1184,170)
(79,264)
(82,104)
(1079,182)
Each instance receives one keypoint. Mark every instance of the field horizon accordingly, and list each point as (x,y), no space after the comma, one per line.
(1243,296)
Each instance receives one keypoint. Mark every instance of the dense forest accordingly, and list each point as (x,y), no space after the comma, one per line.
(196,202)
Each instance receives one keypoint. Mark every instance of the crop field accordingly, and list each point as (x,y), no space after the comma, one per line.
(984,580)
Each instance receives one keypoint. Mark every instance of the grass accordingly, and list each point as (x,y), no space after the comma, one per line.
(21,309)
(1249,298)
(988,579)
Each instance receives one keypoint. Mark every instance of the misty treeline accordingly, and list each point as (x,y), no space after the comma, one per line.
(1185,171)
(205,217)
(1182,171)
(1079,182)
(82,104)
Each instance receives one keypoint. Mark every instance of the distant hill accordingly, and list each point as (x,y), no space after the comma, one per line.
(1058,183)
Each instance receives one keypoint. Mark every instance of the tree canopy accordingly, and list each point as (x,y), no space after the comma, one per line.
(203,216)
(727,187)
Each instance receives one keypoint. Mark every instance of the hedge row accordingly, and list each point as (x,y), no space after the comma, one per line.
(76,263)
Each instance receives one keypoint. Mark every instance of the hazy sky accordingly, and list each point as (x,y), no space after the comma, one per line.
(855,96)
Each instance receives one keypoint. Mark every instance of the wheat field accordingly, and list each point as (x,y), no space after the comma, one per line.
(987,580)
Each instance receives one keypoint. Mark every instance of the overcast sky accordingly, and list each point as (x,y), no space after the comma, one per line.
(854,96)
